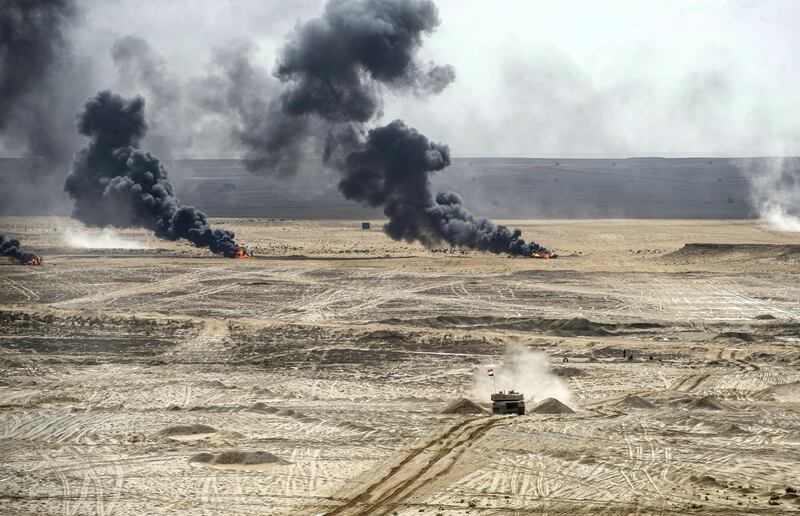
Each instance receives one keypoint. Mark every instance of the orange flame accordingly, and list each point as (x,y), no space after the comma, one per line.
(243,253)
(34,261)
(544,255)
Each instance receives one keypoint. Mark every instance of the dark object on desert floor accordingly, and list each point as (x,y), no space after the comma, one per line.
(508,403)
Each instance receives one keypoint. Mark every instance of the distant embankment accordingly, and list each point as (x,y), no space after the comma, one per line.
(516,188)
(708,253)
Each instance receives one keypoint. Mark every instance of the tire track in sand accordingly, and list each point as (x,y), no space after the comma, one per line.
(689,383)
(398,484)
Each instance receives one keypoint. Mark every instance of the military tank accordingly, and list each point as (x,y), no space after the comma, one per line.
(510,402)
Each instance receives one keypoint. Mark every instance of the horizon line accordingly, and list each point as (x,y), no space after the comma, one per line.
(586,156)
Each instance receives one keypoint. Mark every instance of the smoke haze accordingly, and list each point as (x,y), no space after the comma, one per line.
(775,191)
(104,239)
(718,86)
(33,44)
(142,71)
(708,78)
(243,95)
(334,70)
(40,86)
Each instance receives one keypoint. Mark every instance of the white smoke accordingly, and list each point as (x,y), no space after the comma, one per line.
(775,192)
(777,217)
(524,371)
(103,239)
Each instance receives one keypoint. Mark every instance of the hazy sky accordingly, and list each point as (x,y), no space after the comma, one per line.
(534,78)
(618,78)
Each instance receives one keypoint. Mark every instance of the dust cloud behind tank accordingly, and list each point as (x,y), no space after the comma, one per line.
(114,183)
(334,69)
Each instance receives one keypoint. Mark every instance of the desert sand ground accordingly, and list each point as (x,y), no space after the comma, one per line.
(313,378)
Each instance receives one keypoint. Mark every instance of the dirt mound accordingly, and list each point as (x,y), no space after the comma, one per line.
(551,406)
(635,402)
(263,408)
(729,429)
(463,406)
(779,329)
(261,390)
(580,326)
(707,403)
(214,384)
(357,427)
(784,392)
(564,327)
(260,406)
(180,430)
(735,335)
(569,372)
(392,337)
(237,458)
(699,252)
(415,399)
(708,481)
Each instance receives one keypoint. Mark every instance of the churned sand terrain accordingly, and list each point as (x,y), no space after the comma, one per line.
(660,361)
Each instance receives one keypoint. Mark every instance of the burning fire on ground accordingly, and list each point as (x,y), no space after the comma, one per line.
(544,255)
(243,253)
(11,247)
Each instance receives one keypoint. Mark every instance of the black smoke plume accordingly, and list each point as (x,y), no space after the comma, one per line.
(32,40)
(332,70)
(11,247)
(335,68)
(138,63)
(272,140)
(143,71)
(41,83)
(332,65)
(113,183)
(390,168)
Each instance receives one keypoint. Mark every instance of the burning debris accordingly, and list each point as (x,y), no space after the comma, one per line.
(11,247)
(544,254)
(243,253)
(334,68)
(113,183)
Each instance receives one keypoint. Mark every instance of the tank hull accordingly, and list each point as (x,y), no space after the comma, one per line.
(508,403)
(508,407)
